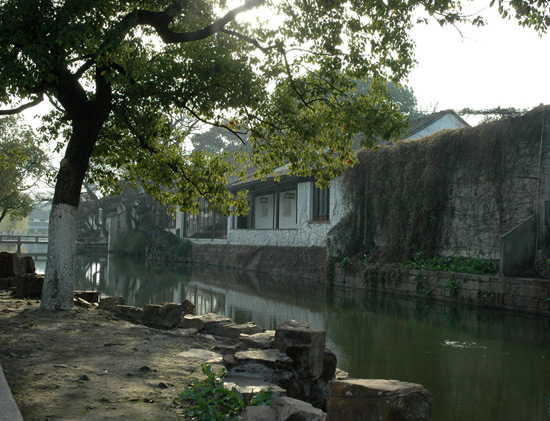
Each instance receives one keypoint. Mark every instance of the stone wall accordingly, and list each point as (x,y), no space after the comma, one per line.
(453,193)
(523,295)
(296,261)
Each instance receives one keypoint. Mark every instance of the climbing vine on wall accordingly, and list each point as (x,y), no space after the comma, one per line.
(407,196)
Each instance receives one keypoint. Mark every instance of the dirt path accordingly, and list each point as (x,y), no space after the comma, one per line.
(86,364)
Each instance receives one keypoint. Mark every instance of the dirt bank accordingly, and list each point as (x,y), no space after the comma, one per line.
(88,364)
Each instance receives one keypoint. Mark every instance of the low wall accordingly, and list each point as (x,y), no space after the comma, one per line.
(523,295)
(296,261)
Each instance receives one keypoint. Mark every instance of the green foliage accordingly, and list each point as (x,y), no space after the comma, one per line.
(211,401)
(421,285)
(22,163)
(485,297)
(132,243)
(453,264)
(344,263)
(372,277)
(401,193)
(452,286)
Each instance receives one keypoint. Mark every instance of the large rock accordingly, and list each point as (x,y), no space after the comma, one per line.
(271,358)
(206,322)
(132,313)
(28,286)
(10,265)
(305,346)
(283,409)
(27,265)
(368,400)
(329,366)
(250,386)
(167,315)
(234,330)
(110,303)
(262,340)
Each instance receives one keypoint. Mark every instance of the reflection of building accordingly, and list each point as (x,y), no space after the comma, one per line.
(39,220)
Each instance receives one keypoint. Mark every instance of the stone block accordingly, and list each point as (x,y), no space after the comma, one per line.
(233,330)
(204,322)
(305,346)
(329,366)
(6,283)
(271,358)
(249,386)
(28,286)
(370,400)
(167,315)
(283,409)
(110,303)
(9,265)
(129,312)
(27,265)
(262,340)
(90,296)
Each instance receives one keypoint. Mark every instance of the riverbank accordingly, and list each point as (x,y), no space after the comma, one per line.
(89,364)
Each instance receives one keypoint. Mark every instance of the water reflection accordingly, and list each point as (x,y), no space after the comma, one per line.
(478,365)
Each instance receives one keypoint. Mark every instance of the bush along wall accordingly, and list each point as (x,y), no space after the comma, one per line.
(453,193)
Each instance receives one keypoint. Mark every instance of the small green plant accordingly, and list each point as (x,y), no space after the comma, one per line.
(485,297)
(452,286)
(213,402)
(421,287)
(344,264)
(372,277)
(472,265)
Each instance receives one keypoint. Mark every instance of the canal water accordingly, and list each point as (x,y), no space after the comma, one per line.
(478,365)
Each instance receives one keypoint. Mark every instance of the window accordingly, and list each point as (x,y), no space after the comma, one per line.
(321,204)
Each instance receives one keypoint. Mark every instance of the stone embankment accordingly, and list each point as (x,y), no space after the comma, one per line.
(293,360)
(519,295)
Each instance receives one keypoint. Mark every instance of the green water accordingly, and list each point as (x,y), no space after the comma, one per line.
(478,365)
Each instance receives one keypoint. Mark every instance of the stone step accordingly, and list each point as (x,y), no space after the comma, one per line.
(249,386)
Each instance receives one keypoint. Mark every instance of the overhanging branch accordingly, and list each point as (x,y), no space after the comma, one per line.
(161,21)
(23,107)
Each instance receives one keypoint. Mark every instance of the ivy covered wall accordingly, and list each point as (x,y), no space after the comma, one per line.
(452,193)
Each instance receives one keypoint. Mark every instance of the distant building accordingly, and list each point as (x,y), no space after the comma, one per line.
(39,220)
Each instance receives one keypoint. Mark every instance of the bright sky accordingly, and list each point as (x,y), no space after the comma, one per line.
(501,64)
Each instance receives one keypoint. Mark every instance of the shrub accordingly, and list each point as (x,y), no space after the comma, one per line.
(212,401)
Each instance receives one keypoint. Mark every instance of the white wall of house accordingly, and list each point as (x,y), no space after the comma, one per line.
(303,232)
(446,122)
(264,216)
(288,217)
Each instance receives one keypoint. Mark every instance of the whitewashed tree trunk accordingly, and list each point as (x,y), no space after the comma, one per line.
(58,290)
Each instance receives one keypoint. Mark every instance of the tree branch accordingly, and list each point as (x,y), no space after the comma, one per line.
(160,21)
(248,39)
(23,107)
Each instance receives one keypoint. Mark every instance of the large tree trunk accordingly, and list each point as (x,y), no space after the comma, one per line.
(58,290)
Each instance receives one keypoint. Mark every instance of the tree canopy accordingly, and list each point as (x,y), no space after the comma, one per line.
(117,71)
(22,163)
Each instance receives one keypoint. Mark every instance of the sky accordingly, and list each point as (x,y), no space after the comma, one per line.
(501,64)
